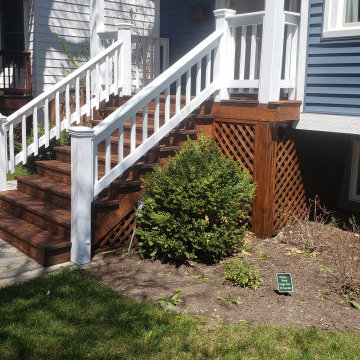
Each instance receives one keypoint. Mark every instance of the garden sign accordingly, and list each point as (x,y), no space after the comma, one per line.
(284,282)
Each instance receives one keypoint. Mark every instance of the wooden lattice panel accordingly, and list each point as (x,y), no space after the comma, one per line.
(237,141)
(289,195)
(119,235)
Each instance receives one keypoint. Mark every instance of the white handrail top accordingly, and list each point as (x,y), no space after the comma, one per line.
(253,18)
(144,96)
(104,35)
(292,18)
(83,68)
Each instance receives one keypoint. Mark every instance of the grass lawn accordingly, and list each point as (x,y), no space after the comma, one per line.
(82,319)
(20,170)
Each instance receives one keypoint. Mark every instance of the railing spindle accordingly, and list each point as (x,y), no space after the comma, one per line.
(120,143)
(145,124)
(178,95)
(167,104)
(107,154)
(67,106)
(208,70)
(36,134)
(137,65)
(77,99)
(151,61)
(188,87)
(133,134)
(107,78)
(253,54)
(157,114)
(294,47)
(88,97)
(157,59)
(242,53)
(144,62)
(23,139)
(12,150)
(57,114)
(116,72)
(46,122)
(198,78)
(98,86)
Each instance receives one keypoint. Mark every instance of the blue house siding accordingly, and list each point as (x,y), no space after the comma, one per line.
(183,34)
(332,70)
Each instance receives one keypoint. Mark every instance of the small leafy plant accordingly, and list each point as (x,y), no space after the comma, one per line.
(203,278)
(264,255)
(171,301)
(243,274)
(229,300)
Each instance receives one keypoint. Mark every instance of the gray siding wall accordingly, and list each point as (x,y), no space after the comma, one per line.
(332,71)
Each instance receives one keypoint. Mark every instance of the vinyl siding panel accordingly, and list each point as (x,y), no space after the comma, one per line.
(332,70)
(183,35)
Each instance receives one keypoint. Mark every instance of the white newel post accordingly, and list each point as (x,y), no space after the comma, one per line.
(271,51)
(124,33)
(3,153)
(97,15)
(82,190)
(225,55)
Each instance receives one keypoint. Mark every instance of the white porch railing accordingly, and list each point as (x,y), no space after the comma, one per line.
(230,58)
(149,56)
(70,99)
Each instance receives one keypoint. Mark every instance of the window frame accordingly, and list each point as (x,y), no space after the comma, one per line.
(335,26)
(354,176)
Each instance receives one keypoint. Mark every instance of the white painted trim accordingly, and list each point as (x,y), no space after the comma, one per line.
(354,178)
(334,21)
(329,123)
(302,52)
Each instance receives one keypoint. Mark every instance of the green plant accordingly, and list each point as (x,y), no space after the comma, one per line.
(203,278)
(171,301)
(229,300)
(243,274)
(194,208)
(264,255)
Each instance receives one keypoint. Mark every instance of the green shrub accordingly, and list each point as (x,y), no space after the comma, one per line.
(243,274)
(196,207)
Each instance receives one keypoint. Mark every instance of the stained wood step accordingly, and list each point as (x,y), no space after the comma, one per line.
(41,245)
(45,189)
(48,216)
(55,170)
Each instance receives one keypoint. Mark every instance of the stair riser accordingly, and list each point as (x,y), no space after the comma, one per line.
(54,174)
(35,218)
(44,195)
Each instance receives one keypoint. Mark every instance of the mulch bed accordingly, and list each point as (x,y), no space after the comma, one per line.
(317,300)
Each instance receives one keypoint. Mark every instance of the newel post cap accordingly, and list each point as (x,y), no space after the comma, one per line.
(221,13)
(3,119)
(81,132)
(124,26)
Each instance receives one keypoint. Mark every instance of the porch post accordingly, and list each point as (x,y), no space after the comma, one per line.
(3,153)
(225,54)
(124,33)
(272,51)
(97,14)
(82,190)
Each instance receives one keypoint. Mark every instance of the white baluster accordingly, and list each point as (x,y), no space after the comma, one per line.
(67,106)
(36,134)
(242,53)
(77,99)
(157,114)
(88,96)
(107,154)
(124,33)
(121,143)
(11,148)
(294,51)
(46,123)
(198,78)
(23,139)
(133,134)
(145,123)
(151,62)
(188,87)
(107,78)
(144,62)
(178,95)
(167,104)
(116,72)
(157,59)
(253,54)
(98,86)
(137,65)
(3,153)
(57,114)
(208,70)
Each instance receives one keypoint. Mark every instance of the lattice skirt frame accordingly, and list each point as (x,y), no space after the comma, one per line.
(268,153)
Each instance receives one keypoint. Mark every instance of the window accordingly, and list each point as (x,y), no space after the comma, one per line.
(341,18)
(354,194)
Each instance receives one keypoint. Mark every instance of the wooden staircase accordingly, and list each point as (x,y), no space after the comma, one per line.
(35,218)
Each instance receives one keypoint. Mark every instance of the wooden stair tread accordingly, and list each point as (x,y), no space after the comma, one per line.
(31,233)
(39,207)
(46,184)
(60,166)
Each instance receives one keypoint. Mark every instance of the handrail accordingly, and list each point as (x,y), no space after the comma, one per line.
(254,18)
(115,121)
(89,65)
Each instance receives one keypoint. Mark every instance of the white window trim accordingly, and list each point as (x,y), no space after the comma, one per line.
(354,172)
(334,24)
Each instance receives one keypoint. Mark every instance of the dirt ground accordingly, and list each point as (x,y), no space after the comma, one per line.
(317,300)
